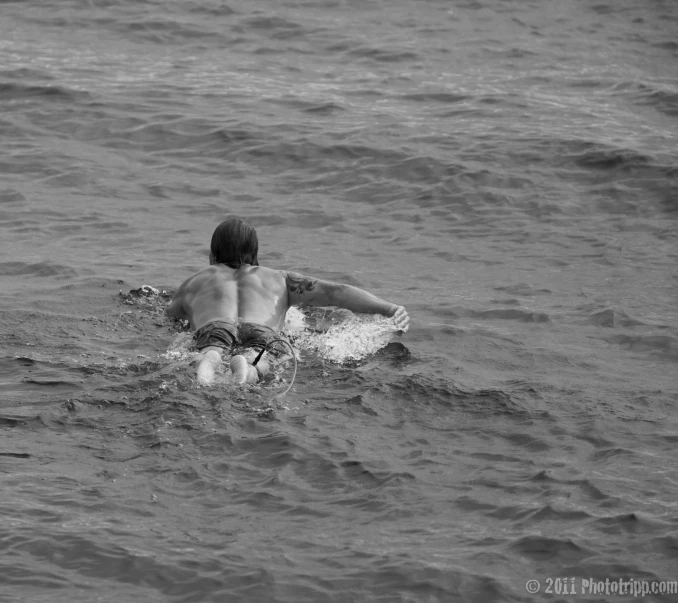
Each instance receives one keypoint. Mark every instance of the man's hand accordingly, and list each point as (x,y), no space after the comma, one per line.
(401,319)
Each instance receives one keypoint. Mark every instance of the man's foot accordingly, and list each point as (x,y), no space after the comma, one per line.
(208,365)
(242,371)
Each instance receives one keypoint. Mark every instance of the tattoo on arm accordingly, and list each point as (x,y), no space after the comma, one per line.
(300,284)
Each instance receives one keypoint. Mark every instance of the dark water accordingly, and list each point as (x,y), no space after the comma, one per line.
(506,170)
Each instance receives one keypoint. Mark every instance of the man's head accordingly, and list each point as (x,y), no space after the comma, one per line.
(234,243)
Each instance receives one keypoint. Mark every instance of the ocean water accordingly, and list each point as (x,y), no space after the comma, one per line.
(506,170)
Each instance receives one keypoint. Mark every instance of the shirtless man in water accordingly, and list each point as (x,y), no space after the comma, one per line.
(235,303)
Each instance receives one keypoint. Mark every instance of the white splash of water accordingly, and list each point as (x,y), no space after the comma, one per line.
(353,338)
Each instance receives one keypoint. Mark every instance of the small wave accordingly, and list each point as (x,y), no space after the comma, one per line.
(551,513)
(360,404)
(610,453)
(614,318)
(166,135)
(440,391)
(513,101)
(32,375)
(164,31)
(628,523)
(665,545)
(542,548)
(309,107)
(41,269)
(10,195)
(437,97)
(671,45)
(519,314)
(220,9)
(98,559)
(524,289)
(357,472)
(662,99)
(595,155)
(589,154)
(14,91)
(665,101)
(23,73)
(12,422)
(271,22)
(513,314)
(381,55)
(663,346)
(586,486)
(323,109)
(602,9)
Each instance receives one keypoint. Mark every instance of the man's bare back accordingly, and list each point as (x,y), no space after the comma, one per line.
(261,295)
(249,294)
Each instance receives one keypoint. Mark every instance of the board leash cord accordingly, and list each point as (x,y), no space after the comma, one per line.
(294,358)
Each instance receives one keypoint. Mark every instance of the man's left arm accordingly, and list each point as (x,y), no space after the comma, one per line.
(315,292)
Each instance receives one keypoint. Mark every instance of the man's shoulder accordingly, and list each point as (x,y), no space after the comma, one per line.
(263,270)
(269,275)
(209,272)
(198,279)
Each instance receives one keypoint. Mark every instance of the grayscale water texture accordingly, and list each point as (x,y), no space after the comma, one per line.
(506,170)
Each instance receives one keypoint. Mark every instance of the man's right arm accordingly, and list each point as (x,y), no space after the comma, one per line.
(176,306)
(303,290)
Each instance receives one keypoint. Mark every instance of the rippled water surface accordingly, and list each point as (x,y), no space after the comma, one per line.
(506,170)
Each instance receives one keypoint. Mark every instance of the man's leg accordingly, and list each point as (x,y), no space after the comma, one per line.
(243,372)
(208,364)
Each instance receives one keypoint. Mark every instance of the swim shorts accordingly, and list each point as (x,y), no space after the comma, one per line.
(229,336)
(220,333)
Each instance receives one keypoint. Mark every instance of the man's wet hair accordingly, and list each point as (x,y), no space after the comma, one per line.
(235,244)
